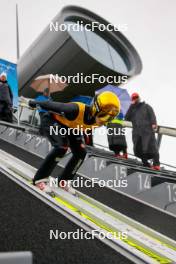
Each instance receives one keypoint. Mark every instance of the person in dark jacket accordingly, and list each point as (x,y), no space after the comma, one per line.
(6,99)
(144,124)
(116,137)
(45,118)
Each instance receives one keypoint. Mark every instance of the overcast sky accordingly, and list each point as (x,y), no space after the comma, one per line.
(151,29)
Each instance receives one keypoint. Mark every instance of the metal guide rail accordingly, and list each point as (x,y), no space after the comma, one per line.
(141,244)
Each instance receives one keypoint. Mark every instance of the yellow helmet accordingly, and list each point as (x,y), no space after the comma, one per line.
(106,103)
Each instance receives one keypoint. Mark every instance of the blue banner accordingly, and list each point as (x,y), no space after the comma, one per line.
(11,70)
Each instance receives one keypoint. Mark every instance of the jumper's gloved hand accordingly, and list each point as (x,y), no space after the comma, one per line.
(23,101)
(155,127)
(32,103)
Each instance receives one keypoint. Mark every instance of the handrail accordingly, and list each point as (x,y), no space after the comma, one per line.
(163,130)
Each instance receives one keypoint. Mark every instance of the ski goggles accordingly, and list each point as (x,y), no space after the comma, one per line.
(105,117)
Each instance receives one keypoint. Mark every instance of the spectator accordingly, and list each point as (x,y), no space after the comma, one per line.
(6,99)
(116,137)
(144,124)
(45,117)
(46,120)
